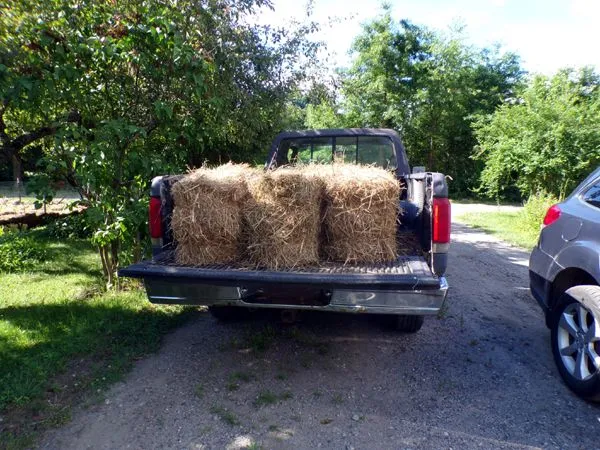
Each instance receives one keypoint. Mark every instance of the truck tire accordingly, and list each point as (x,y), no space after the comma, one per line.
(227,313)
(408,324)
(575,339)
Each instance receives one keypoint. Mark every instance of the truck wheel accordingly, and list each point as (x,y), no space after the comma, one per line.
(226,313)
(408,324)
(575,335)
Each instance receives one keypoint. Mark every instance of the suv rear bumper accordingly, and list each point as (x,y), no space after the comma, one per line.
(539,264)
(420,302)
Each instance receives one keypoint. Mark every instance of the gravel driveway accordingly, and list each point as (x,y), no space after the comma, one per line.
(478,376)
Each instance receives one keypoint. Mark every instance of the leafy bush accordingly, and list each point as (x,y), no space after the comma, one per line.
(69,227)
(548,140)
(535,209)
(19,252)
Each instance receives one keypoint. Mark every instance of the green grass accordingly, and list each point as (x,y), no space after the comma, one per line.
(62,337)
(512,227)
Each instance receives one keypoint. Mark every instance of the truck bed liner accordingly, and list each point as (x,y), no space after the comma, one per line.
(406,272)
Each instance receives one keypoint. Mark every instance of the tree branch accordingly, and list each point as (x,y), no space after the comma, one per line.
(18,143)
(26,139)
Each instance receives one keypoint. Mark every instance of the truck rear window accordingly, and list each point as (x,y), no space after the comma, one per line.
(377,150)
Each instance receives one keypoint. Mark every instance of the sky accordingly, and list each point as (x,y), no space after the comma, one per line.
(547,34)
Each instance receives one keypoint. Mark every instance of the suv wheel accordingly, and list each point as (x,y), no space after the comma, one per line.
(575,335)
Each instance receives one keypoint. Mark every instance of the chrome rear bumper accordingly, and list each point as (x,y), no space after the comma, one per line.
(422,302)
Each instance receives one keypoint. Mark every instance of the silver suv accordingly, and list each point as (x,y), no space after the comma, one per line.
(564,272)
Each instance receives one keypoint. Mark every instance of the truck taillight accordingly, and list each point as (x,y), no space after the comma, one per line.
(552,215)
(155,218)
(441,220)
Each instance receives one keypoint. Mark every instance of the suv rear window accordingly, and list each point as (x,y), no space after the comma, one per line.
(592,195)
(377,150)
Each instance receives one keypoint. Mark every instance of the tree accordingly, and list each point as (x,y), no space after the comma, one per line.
(545,140)
(120,92)
(430,87)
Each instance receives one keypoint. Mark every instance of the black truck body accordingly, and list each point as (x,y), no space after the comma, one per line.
(410,287)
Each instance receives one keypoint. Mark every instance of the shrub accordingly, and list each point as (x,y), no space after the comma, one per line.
(535,209)
(69,227)
(19,252)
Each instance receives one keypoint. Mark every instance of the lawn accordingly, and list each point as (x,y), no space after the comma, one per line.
(63,339)
(513,227)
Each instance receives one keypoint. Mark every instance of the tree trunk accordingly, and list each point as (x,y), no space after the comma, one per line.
(431,160)
(108,266)
(114,258)
(17,168)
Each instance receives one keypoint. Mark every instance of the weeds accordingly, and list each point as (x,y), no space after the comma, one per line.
(20,252)
(241,376)
(337,399)
(226,416)
(254,446)
(261,340)
(266,398)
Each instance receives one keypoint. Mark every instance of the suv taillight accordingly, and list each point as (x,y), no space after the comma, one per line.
(552,215)
(155,219)
(441,220)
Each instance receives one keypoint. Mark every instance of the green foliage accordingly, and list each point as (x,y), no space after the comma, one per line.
(19,252)
(41,186)
(429,87)
(546,140)
(72,226)
(118,92)
(322,115)
(535,209)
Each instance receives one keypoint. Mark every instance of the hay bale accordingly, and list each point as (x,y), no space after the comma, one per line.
(282,219)
(207,217)
(361,213)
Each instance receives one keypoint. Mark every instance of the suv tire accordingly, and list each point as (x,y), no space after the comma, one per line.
(575,338)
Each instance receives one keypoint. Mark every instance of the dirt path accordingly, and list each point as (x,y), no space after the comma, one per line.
(480,376)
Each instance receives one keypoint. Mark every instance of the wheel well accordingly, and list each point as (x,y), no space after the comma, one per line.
(567,279)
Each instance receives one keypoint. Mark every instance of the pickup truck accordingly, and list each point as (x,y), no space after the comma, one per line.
(406,289)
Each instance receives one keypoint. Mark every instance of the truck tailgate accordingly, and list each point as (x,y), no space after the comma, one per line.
(405,273)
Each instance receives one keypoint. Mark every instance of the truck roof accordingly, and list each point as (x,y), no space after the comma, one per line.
(330,132)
